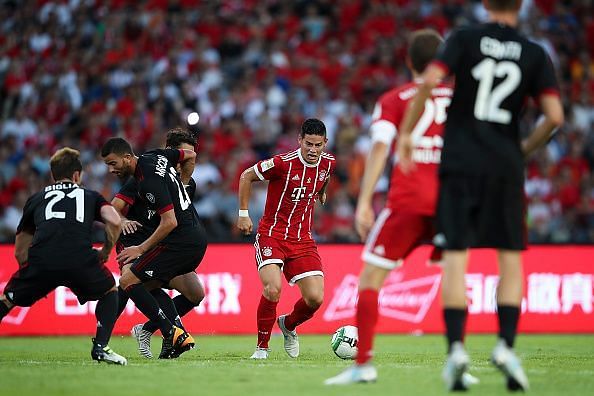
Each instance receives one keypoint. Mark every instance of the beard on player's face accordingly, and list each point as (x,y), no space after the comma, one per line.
(119,166)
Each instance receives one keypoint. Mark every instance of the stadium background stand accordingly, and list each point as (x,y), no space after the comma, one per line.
(77,72)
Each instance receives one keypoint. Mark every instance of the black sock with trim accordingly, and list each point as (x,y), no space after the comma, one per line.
(106,314)
(147,304)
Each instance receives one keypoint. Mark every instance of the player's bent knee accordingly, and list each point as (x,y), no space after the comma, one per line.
(128,279)
(314,301)
(195,297)
(272,292)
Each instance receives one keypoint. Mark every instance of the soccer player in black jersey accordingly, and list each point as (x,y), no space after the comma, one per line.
(54,248)
(482,168)
(174,248)
(138,224)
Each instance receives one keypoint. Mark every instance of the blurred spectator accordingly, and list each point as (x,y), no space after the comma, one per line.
(78,72)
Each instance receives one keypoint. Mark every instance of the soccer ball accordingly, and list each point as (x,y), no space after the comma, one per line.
(344,342)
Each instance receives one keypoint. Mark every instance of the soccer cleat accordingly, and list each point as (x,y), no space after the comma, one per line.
(469,380)
(175,343)
(105,354)
(355,374)
(509,364)
(143,338)
(291,338)
(455,367)
(260,354)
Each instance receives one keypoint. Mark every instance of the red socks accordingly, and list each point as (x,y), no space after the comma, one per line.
(301,313)
(367,314)
(266,317)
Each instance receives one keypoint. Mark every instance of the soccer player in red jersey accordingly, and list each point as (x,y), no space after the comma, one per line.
(284,243)
(408,218)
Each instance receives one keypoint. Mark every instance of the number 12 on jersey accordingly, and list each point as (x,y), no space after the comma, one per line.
(489,99)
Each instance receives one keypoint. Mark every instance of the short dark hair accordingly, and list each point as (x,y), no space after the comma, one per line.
(504,5)
(313,126)
(422,47)
(64,163)
(117,146)
(177,136)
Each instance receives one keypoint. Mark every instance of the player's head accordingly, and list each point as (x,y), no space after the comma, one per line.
(119,157)
(502,5)
(422,48)
(180,138)
(65,164)
(312,140)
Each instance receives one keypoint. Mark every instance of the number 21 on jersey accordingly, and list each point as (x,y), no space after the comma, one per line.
(57,195)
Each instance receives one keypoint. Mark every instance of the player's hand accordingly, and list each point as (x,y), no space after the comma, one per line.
(129,254)
(404,151)
(245,225)
(130,226)
(322,197)
(364,219)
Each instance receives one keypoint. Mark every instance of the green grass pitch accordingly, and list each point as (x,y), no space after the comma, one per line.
(407,365)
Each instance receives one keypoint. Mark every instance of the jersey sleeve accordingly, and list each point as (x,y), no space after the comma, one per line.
(385,120)
(545,81)
(155,191)
(191,188)
(449,53)
(128,191)
(99,203)
(269,169)
(27,223)
(173,155)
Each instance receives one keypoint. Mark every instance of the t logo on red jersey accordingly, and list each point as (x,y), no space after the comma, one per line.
(298,193)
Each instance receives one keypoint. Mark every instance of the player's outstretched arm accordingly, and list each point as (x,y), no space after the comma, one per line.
(244,223)
(21,246)
(128,226)
(112,221)
(166,225)
(553,118)
(374,165)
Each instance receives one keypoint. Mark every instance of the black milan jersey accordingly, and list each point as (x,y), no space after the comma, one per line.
(139,211)
(496,69)
(61,219)
(161,190)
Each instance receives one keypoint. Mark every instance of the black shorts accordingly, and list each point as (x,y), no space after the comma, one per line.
(32,282)
(166,261)
(480,211)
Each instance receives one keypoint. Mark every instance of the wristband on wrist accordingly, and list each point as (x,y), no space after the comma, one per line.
(244,213)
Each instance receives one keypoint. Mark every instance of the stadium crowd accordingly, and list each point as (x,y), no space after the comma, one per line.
(76,72)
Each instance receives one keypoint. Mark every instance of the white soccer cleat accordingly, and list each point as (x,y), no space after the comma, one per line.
(456,365)
(105,354)
(468,380)
(260,354)
(510,365)
(143,338)
(291,338)
(355,374)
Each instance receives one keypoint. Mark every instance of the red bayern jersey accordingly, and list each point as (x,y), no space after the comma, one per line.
(417,191)
(292,192)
